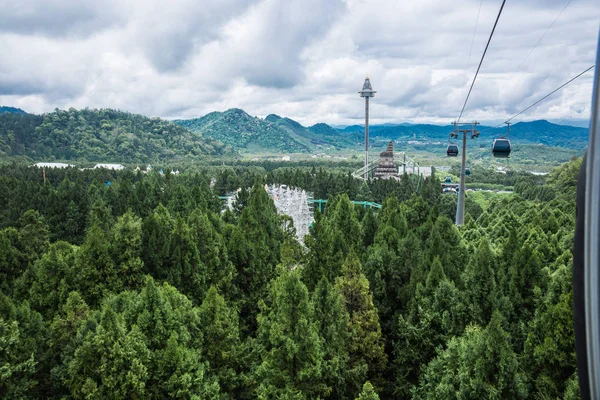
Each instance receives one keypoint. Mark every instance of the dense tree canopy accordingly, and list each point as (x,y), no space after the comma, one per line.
(145,288)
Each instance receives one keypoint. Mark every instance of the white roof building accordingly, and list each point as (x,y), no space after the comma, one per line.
(109,166)
(52,165)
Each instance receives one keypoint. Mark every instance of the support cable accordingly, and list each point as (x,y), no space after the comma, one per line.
(550,94)
(544,34)
(481,61)
(542,99)
(473,39)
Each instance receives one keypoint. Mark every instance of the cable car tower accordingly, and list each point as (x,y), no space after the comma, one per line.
(474,133)
(367,92)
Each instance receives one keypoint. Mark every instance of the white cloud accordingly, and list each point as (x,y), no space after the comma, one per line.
(305,59)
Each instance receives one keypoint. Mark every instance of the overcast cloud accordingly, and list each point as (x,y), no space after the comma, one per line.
(305,59)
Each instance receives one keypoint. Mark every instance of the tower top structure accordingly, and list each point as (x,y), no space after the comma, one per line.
(367,89)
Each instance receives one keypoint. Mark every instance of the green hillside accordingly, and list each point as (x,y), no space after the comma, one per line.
(100,135)
(13,110)
(274,133)
(239,130)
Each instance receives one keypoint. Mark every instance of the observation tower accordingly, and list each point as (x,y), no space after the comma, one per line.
(367,92)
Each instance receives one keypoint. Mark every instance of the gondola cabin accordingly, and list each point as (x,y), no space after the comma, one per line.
(501,148)
(468,171)
(452,150)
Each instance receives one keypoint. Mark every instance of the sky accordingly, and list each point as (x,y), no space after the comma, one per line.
(303,59)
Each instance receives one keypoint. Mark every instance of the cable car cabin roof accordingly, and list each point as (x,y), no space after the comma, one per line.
(501,148)
(452,150)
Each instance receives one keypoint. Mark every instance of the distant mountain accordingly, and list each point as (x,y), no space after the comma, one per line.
(534,132)
(274,133)
(549,134)
(100,135)
(272,118)
(111,135)
(239,130)
(323,129)
(581,123)
(12,110)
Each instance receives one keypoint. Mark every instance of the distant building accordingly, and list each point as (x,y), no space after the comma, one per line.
(116,167)
(52,165)
(386,168)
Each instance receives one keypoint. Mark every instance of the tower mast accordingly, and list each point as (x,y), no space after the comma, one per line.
(367,92)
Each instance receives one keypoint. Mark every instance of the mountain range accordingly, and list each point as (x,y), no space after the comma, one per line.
(97,135)
(534,132)
(246,133)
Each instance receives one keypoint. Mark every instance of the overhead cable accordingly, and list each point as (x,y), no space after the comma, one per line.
(541,99)
(473,39)
(544,34)
(481,61)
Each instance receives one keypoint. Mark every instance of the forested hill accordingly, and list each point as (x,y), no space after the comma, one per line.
(240,130)
(6,109)
(100,135)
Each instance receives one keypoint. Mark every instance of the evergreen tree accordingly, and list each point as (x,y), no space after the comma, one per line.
(156,239)
(52,278)
(120,358)
(220,327)
(365,345)
(97,274)
(255,250)
(480,285)
(444,242)
(479,365)
(17,368)
(368,392)
(145,345)
(332,321)
(100,215)
(22,335)
(549,344)
(334,235)
(185,270)
(74,225)
(67,322)
(211,250)
(126,249)
(292,356)
(11,259)
(34,235)
(369,228)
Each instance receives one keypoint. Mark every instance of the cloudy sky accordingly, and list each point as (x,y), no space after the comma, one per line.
(304,59)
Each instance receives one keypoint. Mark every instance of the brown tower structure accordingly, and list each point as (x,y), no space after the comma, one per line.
(386,168)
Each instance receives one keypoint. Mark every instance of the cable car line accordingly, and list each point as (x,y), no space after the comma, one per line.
(540,100)
(551,93)
(481,61)
(544,34)
(473,39)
